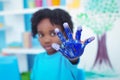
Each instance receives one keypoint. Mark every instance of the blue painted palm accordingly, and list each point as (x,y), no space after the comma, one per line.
(71,48)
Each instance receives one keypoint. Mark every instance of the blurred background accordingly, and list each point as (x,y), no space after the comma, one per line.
(99,18)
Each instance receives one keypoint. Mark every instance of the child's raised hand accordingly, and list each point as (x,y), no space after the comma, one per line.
(71,48)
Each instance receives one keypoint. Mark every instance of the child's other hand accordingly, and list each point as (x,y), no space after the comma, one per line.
(71,48)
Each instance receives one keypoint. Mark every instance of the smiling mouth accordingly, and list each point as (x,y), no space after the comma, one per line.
(48,47)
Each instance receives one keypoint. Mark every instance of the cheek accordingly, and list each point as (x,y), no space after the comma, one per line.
(58,40)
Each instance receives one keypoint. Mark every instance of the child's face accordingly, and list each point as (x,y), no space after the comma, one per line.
(47,35)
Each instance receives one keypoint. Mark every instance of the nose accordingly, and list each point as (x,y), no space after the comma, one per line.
(47,40)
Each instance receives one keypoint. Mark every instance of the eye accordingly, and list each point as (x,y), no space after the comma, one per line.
(53,34)
(40,35)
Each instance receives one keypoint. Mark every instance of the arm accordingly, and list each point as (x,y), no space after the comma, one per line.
(75,61)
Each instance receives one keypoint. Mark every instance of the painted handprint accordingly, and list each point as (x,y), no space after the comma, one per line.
(71,48)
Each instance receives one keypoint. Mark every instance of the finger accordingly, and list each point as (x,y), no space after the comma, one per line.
(88,40)
(60,35)
(68,31)
(58,48)
(78,33)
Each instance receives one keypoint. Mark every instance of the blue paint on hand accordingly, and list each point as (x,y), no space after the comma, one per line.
(71,48)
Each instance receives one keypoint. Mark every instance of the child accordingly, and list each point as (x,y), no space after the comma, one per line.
(52,65)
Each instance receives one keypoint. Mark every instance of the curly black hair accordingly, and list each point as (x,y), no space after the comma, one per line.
(56,16)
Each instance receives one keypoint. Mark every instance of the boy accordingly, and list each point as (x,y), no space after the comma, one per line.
(52,65)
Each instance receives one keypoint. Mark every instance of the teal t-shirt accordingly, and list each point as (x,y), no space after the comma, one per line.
(55,67)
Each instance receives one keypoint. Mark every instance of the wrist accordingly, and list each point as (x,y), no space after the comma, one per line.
(74,61)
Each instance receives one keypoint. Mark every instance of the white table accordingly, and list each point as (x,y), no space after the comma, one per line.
(22,50)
